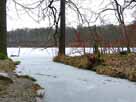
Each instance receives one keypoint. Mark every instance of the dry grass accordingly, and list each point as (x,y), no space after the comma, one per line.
(122,66)
(4,83)
(36,87)
(7,65)
(76,61)
(115,65)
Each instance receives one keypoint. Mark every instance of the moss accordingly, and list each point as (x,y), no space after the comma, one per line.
(17,62)
(3,56)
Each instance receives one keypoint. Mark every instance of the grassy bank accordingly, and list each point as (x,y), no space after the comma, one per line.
(76,61)
(7,65)
(15,88)
(115,65)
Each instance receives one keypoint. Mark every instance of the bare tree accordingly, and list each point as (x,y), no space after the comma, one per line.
(3,27)
(119,12)
(119,8)
(48,8)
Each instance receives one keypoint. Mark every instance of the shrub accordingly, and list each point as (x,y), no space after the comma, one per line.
(17,62)
(123,52)
(76,61)
(59,59)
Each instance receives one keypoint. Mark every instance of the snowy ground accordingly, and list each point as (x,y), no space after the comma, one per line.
(64,83)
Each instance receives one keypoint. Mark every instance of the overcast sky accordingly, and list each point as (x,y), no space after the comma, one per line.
(22,20)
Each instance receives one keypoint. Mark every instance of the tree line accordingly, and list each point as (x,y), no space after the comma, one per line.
(43,37)
(47,8)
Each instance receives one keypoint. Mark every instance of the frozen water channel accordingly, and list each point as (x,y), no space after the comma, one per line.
(64,83)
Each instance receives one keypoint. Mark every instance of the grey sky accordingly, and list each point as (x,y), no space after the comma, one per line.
(24,21)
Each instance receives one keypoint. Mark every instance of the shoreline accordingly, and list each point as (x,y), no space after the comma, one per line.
(16,88)
(113,65)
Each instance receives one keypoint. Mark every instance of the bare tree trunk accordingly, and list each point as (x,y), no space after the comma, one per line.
(120,17)
(3,27)
(96,43)
(62,28)
(124,31)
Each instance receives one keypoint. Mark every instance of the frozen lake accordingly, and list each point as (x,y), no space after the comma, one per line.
(64,83)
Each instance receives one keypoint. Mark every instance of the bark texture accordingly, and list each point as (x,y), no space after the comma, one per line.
(62,28)
(3,27)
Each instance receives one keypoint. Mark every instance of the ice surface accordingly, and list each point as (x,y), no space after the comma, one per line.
(64,83)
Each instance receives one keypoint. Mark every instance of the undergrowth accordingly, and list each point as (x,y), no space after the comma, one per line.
(116,65)
(3,56)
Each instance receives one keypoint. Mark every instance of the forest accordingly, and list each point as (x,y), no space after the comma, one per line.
(67,50)
(43,37)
